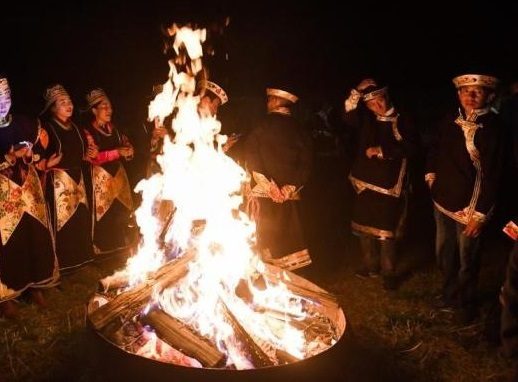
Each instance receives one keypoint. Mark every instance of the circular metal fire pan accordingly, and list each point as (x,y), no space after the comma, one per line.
(117,364)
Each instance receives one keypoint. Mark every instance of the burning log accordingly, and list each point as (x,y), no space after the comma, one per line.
(181,337)
(302,287)
(258,357)
(135,299)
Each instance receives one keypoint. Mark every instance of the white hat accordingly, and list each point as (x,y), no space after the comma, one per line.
(217,90)
(475,80)
(52,94)
(374,92)
(282,94)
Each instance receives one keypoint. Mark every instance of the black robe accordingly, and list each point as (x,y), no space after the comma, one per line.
(380,183)
(467,167)
(110,219)
(280,150)
(73,234)
(27,257)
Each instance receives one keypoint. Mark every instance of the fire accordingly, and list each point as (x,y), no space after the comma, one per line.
(195,278)
(205,187)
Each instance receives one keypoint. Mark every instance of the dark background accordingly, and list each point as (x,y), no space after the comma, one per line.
(322,48)
(318,49)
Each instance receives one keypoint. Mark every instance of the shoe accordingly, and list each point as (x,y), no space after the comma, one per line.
(364,273)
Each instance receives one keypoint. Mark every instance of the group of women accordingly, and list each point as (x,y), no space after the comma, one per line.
(65,198)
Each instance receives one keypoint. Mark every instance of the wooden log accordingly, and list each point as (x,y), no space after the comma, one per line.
(302,287)
(258,357)
(178,335)
(136,298)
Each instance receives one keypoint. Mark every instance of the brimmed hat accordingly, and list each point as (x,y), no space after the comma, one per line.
(475,80)
(51,95)
(372,92)
(5,90)
(282,94)
(216,90)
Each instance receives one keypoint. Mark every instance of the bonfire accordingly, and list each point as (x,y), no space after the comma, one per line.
(196,292)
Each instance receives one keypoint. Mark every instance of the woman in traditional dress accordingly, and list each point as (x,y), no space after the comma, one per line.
(27,257)
(112,200)
(66,153)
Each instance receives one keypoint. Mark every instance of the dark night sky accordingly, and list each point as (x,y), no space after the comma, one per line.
(322,50)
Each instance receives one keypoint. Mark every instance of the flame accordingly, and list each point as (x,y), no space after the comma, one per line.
(205,187)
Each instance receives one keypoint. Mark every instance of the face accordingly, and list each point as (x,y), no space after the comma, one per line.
(5,104)
(210,106)
(5,98)
(378,105)
(63,108)
(473,97)
(103,112)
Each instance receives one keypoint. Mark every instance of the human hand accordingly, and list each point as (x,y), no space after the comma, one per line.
(231,141)
(159,132)
(275,193)
(365,84)
(19,151)
(54,159)
(473,228)
(287,191)
(374,152)
(92,151)
(126,152)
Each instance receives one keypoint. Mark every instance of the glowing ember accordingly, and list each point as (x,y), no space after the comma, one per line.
(227,296)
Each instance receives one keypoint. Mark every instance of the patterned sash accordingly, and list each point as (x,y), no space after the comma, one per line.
(15,200)
(68,195)
(107,188)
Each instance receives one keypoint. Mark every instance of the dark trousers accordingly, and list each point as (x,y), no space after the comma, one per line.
(378,254)
(458,257)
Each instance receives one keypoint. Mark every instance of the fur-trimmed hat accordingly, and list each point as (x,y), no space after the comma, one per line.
(282,94)
(95,96)
(52,93)
(475,80)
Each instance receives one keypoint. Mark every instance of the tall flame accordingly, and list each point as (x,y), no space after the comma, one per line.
(205,187)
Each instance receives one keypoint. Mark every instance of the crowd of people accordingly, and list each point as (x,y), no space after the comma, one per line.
(65,196)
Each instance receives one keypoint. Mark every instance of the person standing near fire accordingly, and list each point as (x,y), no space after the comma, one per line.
(384,143)
(278,153)
(212,97)
(27,257)
(112,200)
(463,172)
(66,153)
